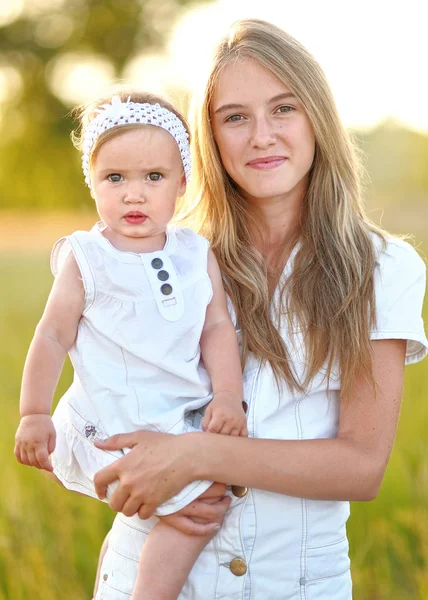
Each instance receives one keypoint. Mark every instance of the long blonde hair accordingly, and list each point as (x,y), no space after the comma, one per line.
(330,291)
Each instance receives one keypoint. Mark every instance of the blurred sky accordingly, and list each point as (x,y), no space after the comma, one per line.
(374,53)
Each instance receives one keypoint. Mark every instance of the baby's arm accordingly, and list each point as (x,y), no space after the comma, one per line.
(220,353)
(54,336)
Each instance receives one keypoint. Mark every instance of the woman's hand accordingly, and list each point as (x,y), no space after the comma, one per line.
(158,467)
(204,515)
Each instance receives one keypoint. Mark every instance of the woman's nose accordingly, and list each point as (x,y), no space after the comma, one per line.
(263,134)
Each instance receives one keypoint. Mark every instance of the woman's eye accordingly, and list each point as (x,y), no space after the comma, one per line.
(234,118)
(285,109)
(154,176)
(114,177)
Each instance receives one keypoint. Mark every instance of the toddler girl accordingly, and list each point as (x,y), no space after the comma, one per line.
(140,307)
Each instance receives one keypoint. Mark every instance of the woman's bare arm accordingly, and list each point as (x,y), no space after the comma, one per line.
(348,467)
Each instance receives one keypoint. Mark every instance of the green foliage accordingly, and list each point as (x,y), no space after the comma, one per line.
(39,168)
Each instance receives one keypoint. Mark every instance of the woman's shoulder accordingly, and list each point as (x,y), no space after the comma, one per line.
(397,254)
(400,279)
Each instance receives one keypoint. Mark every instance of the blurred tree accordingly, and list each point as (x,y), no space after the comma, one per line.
(39,167)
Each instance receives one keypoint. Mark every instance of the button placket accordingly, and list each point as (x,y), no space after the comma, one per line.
(165,285)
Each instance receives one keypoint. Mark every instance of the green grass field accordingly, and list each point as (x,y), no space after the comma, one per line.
(50,538)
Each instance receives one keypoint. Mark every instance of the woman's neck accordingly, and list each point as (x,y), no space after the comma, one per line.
(274,225)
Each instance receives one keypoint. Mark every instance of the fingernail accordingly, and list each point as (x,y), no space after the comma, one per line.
(217,528)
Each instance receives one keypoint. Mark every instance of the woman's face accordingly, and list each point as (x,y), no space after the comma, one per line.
(263,133)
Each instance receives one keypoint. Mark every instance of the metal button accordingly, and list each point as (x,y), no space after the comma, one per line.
(238,567)
(105,576)
(166,289)
(163,275)
(239,491)
(157,263)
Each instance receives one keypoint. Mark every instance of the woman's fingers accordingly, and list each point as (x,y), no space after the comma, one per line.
(131,507)
(118,441)
(104,478)
(119,498)
(145,511)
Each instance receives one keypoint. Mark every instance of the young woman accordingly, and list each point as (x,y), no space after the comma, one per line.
(327,310)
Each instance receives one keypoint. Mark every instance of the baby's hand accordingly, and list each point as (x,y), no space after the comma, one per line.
(35,441)
(225,414)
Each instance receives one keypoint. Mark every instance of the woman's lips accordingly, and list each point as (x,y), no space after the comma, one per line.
(268,162)
(135,218)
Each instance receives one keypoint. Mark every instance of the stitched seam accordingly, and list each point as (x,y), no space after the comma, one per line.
(309,581)
(140,530)
(115,589)
(303,506)
(327,545)
(400,331)
(216,550)
(252,409)
(196,483)
(252,547)
(123,556)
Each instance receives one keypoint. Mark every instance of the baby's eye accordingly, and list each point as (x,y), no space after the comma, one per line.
(154,176)
(114,177)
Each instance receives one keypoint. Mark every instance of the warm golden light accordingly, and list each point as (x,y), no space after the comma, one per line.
(77,78)
(10,10)
(373,53)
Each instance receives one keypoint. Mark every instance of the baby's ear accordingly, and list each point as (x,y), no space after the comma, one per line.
(182,188)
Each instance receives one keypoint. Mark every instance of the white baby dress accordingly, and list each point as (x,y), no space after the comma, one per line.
(136,357)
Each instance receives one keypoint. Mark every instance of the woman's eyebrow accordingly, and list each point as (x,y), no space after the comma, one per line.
(226,107)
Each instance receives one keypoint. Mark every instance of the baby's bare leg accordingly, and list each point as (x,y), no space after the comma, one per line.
(166,560)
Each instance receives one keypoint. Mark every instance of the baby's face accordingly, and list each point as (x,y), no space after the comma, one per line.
(136,178)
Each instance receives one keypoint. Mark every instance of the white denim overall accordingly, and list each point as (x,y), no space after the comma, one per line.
(272,546)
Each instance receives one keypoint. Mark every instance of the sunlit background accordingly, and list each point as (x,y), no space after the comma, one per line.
(55,54)
(373,51)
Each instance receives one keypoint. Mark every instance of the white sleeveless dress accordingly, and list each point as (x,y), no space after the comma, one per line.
(136,357)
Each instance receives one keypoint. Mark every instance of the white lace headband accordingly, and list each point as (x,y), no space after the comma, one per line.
(124,113)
